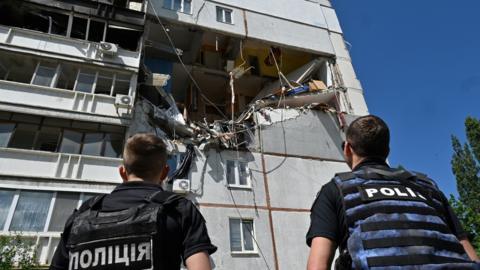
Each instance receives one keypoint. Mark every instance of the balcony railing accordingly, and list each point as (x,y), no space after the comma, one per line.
(30,163)
(60,99)
(66,47)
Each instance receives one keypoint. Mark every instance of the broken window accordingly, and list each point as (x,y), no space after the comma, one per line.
(23,136)
(85,80)
(96,31)
(44,74)
(224,15)
(104,83)
(47,139)
(79,28)
(6,130)
(126,38)
(122,84)
(184,6)
(58,23)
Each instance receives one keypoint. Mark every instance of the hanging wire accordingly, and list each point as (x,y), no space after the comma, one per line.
(172,45)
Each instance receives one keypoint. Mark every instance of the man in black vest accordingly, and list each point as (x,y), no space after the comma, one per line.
(382,217)
(121,221)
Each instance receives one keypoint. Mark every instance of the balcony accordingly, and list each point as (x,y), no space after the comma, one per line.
(25,40)
(65,89)
(40,164)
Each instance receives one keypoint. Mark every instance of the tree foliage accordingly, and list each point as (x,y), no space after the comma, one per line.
(17,252)
(466,168)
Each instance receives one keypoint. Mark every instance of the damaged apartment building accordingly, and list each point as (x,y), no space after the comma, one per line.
(251,97)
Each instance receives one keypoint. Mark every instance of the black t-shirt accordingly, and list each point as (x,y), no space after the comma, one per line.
(327,217)
(186,229)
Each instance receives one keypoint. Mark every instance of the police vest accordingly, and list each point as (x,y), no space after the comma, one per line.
(396,220)
(126,239)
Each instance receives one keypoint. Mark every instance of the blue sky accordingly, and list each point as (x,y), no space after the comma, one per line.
(419,64)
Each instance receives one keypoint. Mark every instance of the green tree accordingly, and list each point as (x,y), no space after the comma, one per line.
(17,252)
(466,168)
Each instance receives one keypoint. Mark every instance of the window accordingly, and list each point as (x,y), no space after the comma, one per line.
(64,136)
(65,202)
(37,211)
(224,15)
(44,75)
(184,6)
(238,174)
(242,235)
(79,28)
(47,139)
(85,81)
(6,197)
(31,211)
(23,136)
(71,142)
(96,32)
(6,130)
(92,144)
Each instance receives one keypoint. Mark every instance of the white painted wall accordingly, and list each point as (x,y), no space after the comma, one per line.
(19,162)
(25,40)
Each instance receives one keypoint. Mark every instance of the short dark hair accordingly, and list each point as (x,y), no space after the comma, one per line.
(369,136)
(144,155)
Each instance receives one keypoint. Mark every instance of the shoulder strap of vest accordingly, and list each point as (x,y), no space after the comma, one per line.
(344,176)
(162,197)
(92,203)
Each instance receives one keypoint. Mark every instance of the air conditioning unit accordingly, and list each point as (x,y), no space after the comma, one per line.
(181,186)
(123,101)
(108,48)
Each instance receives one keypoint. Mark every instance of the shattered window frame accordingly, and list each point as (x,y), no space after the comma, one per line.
(241,170)
(110,139)
(221,14)
(246,238)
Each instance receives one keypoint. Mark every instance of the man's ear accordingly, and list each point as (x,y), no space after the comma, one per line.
(164,174)
(123,173)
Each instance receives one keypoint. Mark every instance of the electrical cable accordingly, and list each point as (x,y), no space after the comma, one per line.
(172,44)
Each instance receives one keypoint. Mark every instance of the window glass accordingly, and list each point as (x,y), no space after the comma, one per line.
(96,31)
(247,227)
(44,76)
(6,130)
(228,15)
(24,136)
(231,172)
(187,6)
(6,197)
(244,174)
(85,82)
(113,145)
(47,139)
(31,211)
(235,235)
(177,5)
(65,203)
(79,28)
(92,144)
(71,142)
(167,4)
(219,14)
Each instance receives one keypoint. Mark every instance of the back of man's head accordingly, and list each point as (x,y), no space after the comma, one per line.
(369,136)
(144,156)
